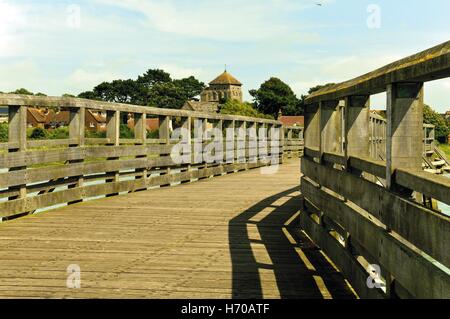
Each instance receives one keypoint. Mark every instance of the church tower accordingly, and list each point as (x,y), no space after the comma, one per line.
(225,86)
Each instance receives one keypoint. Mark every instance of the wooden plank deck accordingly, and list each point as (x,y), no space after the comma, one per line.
(233,236)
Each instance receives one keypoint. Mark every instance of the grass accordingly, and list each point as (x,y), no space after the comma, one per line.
(446,149)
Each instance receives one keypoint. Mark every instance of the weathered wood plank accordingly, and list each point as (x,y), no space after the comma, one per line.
(402,261)
(428,230)
(432,185)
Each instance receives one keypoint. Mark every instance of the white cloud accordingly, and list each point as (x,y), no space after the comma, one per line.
(24,73)
(82,79)
(11,21)
(179,72)
(231,20)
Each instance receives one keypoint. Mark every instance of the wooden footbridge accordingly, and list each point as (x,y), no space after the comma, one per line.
(211,205)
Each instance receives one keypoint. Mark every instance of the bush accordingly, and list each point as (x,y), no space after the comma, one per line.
(38,134)
(58,133)
(95,134)
(153,134)
(432,117)
(3,132)
(233,107)
(126,132)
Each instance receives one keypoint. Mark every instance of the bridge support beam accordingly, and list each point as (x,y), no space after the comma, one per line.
(404,128)
(356,126)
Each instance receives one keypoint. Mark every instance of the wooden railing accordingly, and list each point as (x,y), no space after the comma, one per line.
(293,141)
(39,174)
(364,225)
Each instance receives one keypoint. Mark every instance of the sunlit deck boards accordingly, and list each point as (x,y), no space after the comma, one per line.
(188,241)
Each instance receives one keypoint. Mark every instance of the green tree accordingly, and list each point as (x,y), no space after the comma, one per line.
(166,95)
(152,77)
(40,94)
(153,88)
(119,91)
(90,95)
(442,129)
(310,91)
(275,95)
(191,87)
(3,132)
(22,91)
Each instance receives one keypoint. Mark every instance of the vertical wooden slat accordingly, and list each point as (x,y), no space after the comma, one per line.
(17,141)
(357,113)
(404,129)
(140,133)
(77,139)
(113,135)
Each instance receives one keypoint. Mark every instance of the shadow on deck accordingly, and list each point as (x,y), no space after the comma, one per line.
(265,241)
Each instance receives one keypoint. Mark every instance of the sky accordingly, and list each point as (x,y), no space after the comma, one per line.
(58,47)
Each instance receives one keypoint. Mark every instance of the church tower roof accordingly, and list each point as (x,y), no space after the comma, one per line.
(225,78)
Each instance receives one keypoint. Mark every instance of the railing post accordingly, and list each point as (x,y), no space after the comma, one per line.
(186,125)
(17,141)
(113,136)
(330,127)
(140,133)
(252,142)
(113,127)
(164,132)
(404,128)
(281,141)
(140,127)
(356,128)
(164,128)
(312,127)
(241,141)
(76,139)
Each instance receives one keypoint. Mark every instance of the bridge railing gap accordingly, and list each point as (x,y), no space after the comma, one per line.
(43,174)
(362,179)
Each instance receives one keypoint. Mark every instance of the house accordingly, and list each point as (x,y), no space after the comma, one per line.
(152,124)
(291,120)
(95,120)
(50,119)
(35,117)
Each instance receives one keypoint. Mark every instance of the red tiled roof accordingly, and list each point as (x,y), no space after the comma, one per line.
(292,120)
(152,124)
